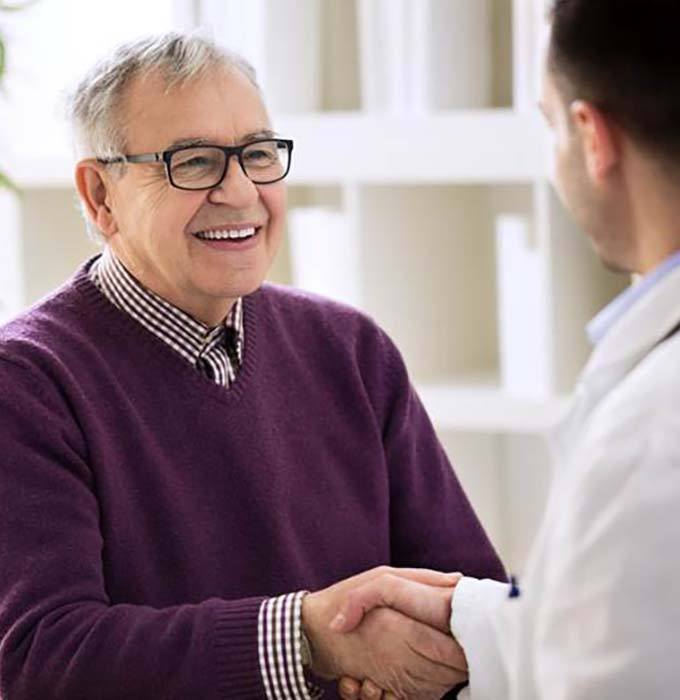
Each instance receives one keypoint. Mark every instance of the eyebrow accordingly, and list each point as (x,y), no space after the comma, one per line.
(198,141)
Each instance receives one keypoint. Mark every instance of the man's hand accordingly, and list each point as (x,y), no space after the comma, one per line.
(403,656)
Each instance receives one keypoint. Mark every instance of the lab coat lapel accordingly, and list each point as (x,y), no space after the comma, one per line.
(631,339)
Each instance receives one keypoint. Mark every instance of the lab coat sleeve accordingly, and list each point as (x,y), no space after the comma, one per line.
(473,611)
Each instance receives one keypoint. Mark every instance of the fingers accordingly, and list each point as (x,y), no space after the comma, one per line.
(437,647)
(370,691)
(349,689)
(428,604)
(401,655)
(442,659)
(428,677)
(429,577)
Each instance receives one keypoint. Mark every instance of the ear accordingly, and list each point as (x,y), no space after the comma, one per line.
(93,187)
(598,138)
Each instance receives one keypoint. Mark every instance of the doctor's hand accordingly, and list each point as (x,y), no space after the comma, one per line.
(398,654)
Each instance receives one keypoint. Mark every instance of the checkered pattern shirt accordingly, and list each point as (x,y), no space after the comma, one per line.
(216,352)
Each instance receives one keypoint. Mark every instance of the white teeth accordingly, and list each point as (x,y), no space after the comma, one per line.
(223,235)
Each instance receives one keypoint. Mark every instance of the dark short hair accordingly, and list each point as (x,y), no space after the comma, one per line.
(624,57)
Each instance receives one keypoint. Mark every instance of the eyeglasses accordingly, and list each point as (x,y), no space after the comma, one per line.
(203,167)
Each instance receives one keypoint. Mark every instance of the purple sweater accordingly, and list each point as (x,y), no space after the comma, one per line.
(145,512)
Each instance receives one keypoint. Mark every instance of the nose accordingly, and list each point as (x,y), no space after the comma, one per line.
(236,189)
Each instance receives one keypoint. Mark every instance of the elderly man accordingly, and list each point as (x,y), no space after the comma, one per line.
(186,451)
(598,615)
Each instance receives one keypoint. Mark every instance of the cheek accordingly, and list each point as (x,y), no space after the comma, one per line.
(170,213)
(555,170)
(560,171)
(560,180)
(138,209)
(563,167)
(274,198)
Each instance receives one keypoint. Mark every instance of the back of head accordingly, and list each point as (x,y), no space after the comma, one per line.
(623,56)
(95,107)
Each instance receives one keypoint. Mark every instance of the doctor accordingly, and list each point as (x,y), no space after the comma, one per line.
(598,615)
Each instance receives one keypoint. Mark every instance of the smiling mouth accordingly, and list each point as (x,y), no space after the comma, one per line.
(231,234)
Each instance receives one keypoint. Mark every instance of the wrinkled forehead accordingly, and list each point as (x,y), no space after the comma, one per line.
(219,106)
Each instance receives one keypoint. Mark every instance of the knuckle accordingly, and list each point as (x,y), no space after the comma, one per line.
(388,584)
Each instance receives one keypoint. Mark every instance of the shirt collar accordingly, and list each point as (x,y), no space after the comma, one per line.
(184,333)
(608,317)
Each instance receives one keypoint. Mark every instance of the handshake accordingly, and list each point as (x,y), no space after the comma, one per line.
(385,635)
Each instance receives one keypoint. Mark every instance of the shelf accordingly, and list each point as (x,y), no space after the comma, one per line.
(475,146)
(482,406)
(486,146)
(427,267)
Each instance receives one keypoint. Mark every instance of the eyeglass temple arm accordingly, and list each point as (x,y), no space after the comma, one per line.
(144,158)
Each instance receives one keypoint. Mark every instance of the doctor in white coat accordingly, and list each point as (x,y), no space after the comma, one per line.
(597,616)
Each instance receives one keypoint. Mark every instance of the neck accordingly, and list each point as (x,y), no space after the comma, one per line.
(655,214)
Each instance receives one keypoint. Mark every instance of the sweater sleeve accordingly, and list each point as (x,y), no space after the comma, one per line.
(432,522)
(61,636)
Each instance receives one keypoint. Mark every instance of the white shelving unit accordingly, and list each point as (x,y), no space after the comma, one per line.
(421,186)
(477,407)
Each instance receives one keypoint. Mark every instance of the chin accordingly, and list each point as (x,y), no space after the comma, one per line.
(612,261)
(609,243)
(614,266)
(234,291)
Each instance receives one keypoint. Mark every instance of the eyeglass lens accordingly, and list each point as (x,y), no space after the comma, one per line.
(202,167)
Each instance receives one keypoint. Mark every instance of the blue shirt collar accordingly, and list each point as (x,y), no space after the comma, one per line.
(603,322)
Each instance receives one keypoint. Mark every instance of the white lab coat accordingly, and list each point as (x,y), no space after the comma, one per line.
(599,614)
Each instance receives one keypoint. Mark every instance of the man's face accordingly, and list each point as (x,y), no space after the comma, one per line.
(596,207)
(157,223)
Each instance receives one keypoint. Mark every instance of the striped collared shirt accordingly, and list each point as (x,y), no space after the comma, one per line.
(218,353)
(616,309)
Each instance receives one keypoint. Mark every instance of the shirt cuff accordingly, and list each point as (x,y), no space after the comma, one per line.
(472,612)
(280,653)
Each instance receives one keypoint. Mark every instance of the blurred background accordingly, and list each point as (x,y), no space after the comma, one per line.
(419,193)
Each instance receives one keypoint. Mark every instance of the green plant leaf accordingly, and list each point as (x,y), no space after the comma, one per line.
(6,183)
(2,57)
(15,6)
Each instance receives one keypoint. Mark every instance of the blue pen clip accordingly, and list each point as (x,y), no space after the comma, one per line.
(514,588)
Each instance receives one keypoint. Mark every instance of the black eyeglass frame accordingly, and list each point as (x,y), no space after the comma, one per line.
(165,157)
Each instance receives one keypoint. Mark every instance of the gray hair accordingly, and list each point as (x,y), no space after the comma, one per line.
(94,107)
